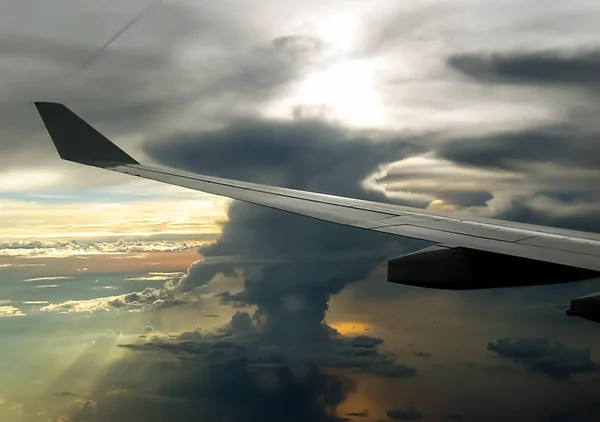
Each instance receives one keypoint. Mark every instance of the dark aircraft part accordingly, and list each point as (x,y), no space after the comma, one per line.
(587,307)
(439,267)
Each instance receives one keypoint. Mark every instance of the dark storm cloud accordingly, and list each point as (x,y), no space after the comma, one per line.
(565,145)
(282,345)
(242,340)
(235,373)
(579,69)
(307,154)
(118,87)
(558,161)
(546,356)
(302,154)
(132,85)
(409,414)
(522,208)
(226,391)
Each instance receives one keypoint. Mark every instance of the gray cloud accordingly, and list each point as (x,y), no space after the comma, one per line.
(578,69)
(567,146)
(363,414)
(543,355)
(307,154)
(234,373)
(409,414)
(148,76)
(453,417)
(242,340)
(283,345)
(119,82)
(229,391)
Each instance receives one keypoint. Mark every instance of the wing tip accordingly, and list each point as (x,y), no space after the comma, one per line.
(76,140)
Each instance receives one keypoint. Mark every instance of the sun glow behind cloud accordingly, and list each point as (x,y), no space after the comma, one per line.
(347,89)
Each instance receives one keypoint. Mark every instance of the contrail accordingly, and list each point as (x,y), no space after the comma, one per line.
(117,35)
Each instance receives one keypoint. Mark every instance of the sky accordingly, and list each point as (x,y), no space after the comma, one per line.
(125,300)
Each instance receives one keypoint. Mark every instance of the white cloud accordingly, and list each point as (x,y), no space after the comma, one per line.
(49,278)
(130,302)
(45,248)
(19,180)
(10,311)
(156,276)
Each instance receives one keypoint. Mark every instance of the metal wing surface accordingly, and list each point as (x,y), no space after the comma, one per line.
(77,141)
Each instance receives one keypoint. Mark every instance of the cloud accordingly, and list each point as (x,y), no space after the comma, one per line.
(363,414)
(282,347)
(567,146)
(156,276)
(149,297)
(228,374)
(65,248)
(49,278)
(10,311)
(243,340)
(545,356)
(409,414)
(167,296)
(177,58)
(577,69)
(307,154)
(422,354)
(453,417)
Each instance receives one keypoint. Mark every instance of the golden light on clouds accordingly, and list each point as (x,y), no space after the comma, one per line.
(351,328)
(440,205)
(27,219)
(35,269)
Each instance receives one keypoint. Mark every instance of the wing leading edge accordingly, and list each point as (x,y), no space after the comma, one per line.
(473,249)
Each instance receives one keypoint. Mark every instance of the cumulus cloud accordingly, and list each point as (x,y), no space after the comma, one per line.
(269,361)
(307,154)
(169,295)
(243,340)
(408,414)
(545,356)
(135,301)
(80,247)
(10,311)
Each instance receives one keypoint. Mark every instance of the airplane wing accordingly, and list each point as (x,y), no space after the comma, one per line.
(468,253)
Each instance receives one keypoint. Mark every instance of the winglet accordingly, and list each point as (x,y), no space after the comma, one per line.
(77,141)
